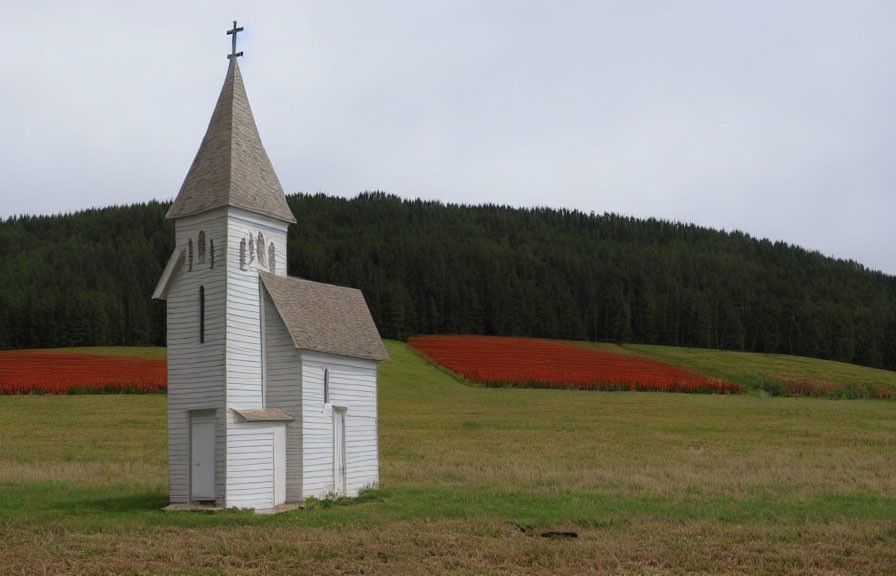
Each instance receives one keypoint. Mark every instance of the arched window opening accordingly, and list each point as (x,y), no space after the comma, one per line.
(272,258)
(211,253)
(201,247)
(251,247)
(326,386)
(243,263)
(260,247)
(190,255)
(202,314)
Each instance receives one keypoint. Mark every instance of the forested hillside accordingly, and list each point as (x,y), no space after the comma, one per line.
(84,278)
(425,267)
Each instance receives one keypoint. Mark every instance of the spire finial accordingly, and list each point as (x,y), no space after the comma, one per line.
(233,52)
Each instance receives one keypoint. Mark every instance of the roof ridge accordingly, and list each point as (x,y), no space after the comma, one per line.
(233,69)
(300,279)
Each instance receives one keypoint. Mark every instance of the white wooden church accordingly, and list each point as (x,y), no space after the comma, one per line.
(272,380)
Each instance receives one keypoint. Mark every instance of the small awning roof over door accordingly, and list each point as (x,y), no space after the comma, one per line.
(263,415)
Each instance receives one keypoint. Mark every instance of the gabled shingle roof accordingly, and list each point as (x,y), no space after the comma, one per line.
(231,167)
(325,318)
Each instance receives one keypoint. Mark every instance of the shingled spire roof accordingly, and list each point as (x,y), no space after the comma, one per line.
(231,167)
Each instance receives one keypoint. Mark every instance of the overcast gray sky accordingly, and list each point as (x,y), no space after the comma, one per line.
(775,118)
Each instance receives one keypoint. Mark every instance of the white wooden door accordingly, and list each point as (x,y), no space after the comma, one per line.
(339,451)
(279,464)
(202,457)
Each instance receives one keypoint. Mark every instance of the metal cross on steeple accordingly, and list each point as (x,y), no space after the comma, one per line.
(233,52)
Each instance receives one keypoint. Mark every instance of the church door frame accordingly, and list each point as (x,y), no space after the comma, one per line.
(202,455)
(339,459)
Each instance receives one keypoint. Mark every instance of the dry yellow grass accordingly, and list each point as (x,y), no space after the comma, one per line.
(469,546)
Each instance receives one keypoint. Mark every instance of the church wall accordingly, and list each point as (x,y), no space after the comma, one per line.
(243,329)
(283,390)
(196,370)
(353,385)
(243,319)
(250,465)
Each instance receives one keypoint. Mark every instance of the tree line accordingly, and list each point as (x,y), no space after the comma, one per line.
(426,267)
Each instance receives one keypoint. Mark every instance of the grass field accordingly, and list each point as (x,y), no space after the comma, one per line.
(652,483)
(750,369)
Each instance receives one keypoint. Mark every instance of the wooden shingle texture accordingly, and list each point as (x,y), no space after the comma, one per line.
(325,318)
(231,167)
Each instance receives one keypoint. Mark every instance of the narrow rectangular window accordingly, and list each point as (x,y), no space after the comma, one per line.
(202,314)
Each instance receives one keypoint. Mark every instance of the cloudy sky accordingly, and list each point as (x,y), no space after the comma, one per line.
(775,118)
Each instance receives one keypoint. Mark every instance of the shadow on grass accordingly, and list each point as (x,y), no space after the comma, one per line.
(133,502)
(49,500)
(103,508)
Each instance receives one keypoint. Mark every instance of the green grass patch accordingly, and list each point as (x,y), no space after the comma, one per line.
(772,373)
(148,352)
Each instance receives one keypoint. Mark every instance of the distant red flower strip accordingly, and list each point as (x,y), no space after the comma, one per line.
(44,372)
(530,362)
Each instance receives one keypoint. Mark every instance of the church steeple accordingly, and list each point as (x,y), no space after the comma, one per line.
(231,167)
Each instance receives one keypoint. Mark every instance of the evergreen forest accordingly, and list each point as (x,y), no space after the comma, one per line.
(426,267)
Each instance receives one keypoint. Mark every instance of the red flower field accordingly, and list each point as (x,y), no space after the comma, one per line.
(47,372)
(529,362)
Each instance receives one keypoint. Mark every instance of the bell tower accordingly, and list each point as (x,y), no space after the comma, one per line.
(230,219)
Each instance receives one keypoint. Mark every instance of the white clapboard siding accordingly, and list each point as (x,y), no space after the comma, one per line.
(247,486)
(196,370)
(283,390)
(243,320)
(361,453)
(352,385)
(250,465)
(249,360)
